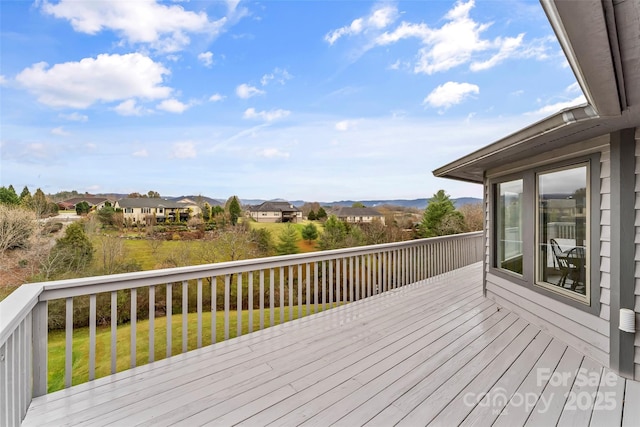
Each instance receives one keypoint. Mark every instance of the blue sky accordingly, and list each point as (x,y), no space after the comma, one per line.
(313,100)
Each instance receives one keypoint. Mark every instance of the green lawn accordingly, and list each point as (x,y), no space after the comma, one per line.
(103,342)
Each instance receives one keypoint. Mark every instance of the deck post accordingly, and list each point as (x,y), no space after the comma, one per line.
(621,355)
(39,337)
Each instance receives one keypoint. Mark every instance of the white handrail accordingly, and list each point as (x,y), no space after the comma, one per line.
(342,275)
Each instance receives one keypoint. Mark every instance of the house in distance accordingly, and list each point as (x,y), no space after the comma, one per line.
(275,212)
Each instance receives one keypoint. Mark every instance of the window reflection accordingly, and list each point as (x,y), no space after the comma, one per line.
(562,229)
(509,226)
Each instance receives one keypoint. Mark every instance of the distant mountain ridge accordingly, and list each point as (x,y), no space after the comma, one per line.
(407,203)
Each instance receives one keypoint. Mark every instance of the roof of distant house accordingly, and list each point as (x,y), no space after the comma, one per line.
(274,207)
(348,211)
(148,202)
(91,200)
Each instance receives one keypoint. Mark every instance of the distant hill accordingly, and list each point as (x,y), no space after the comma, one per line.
(407,203)
(411,203)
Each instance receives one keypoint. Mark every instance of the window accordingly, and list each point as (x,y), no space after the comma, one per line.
(509,223)
(562,231)
(146,210)
(161,210)
(542,223)
(128,210)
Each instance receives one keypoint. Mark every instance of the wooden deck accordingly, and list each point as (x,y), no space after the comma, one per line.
(435,352)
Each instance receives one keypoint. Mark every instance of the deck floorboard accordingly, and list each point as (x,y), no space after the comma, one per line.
(433,352)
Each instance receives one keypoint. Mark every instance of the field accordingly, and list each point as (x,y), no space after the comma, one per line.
(103,342)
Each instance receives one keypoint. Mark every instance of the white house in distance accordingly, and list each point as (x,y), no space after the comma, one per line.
(275,212)
(144,209)
(562,196)
(358,215)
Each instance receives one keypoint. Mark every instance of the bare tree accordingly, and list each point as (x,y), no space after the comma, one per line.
(473,216)
(112,251)
(16,227)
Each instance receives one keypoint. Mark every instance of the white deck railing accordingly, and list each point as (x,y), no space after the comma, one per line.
(306,282)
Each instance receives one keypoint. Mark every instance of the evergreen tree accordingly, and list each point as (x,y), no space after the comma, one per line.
(234,210)
(440,217)
(82,208)
(288,241)
(310,232)
(25,193)
(8,196)
(322,214)
(334,234)
(40,203)
(312,215)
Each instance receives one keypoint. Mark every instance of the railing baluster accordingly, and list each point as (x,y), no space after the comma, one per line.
(261,299)
(92,337)
(227,292)
(114,330)
(152,323)
(68,358)
(331,284)
(134,312)
(5,395)
(338,281)
(357,279)
(307,287)
(282,309)
(344,280)
(272,311)
(199,310)
(351,284)
(315,287)
(239,307)
(299,290)
(324,285)
(290,280)
(185,315)
(169,310)
(214,309)
(250,302)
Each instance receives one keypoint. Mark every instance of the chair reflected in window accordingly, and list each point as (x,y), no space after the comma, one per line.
(571,264)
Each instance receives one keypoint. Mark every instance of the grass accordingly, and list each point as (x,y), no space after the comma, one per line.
(56,356)
(276,228)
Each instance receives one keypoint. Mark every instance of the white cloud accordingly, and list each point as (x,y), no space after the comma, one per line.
(345,125)
(164,27)
(60,131)
(173,106)
(550,109)
(3,80)
(74,117)
(183,150)
(278,75)
(206,58)
(129,108)
(141,153)
(450,93)
(246,91)
(106,78)
(216,97)
(459,41)
(272,153)
(507,47)
(573,88)
(267,116)
(381,17)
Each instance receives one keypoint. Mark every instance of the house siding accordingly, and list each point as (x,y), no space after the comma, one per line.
(587,333)
(637,259)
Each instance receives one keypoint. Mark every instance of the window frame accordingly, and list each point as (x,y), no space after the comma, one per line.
(585,299)
(530,228)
